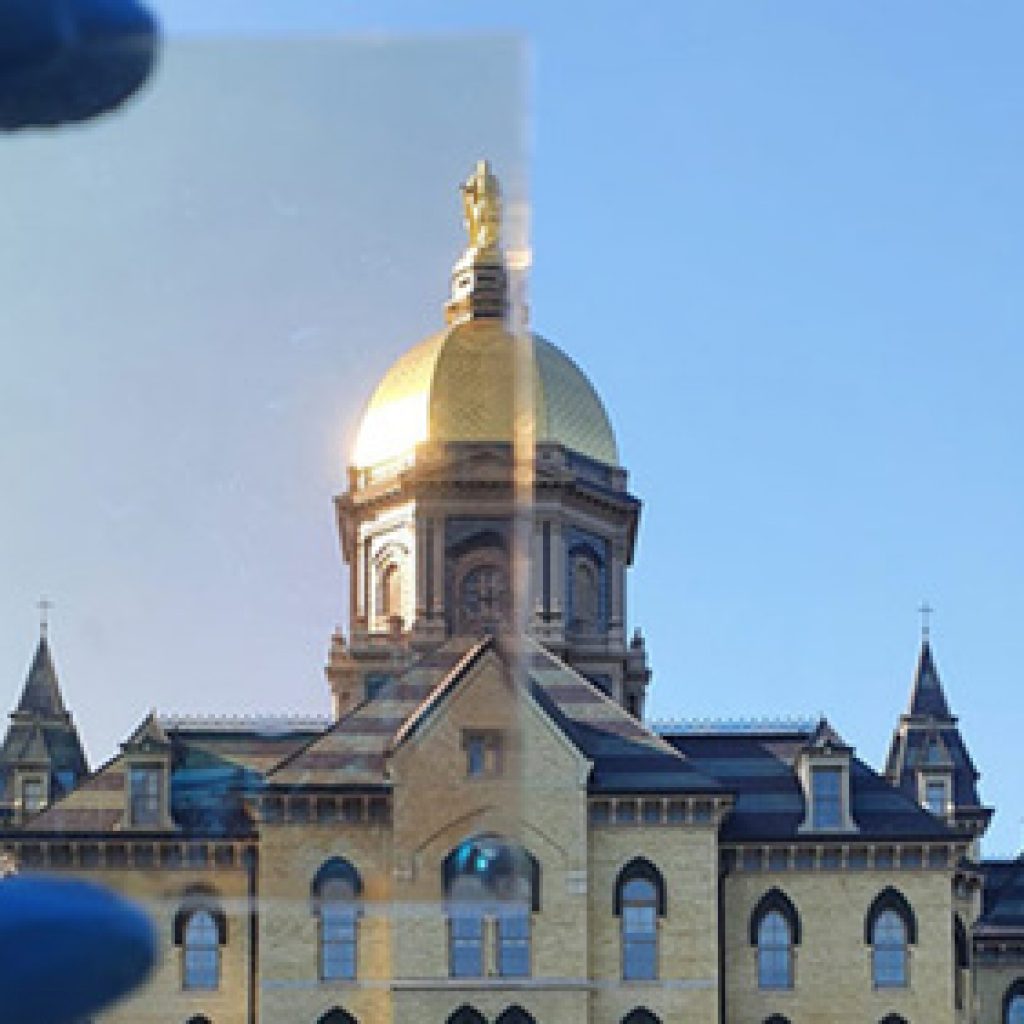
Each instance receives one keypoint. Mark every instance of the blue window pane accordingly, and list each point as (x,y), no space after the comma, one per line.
(640,959)
(889,958)
(467,948)
(514,945)
(1015,1011)
(202,952)
(337,942)
(774,952)
(826,797)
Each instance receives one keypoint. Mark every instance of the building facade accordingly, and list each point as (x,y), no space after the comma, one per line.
(486,830)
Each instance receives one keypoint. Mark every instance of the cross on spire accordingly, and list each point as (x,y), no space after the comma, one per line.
(925,612)
(44,607)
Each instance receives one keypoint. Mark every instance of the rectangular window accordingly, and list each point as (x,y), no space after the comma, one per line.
(466,945)
(32,795)
(514,944)
(935,796)
(145,794)
(483,753)
(827,797)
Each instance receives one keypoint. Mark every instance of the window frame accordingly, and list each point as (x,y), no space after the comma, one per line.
(336,889)
(624,906)
(775,901)
(190,981)
(832,800)
(154,802)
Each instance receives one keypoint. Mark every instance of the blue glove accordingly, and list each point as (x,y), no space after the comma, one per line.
(68,949)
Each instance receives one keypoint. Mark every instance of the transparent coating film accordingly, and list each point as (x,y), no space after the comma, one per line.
(340,712)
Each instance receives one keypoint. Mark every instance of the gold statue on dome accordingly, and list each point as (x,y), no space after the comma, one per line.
(481,202)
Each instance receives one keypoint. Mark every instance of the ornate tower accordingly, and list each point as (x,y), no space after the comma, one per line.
(42,757)
(928,758)
(485,494)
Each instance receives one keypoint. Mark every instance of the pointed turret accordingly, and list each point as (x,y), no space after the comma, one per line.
(41,757)
(928,758)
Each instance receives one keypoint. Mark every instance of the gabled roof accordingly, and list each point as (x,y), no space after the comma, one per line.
(626,756)
(147,735)
(824,737)
(41,695)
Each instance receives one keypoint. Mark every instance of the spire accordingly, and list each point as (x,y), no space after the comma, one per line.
(928,750)
(927,698)
(479,283)
(41,693)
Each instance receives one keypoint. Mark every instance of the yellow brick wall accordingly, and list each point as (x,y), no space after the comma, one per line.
(991,984)
(832,967)
(687,986)
(539,799)
(290,987)
(162,999)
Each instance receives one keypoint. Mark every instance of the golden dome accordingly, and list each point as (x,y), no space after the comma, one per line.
(459,385)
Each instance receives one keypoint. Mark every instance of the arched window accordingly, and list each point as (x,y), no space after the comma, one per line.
(893,1018)
(1013,1003)
(389,592)
(334,898)
(640,1016)
(200,929)
(639,902)
(515,1015)
(775,930)
(337,1016)
(199,1019)
(484,600)
(890,929)
(466,1015)
(776,1018)
(490,878)
(202,951)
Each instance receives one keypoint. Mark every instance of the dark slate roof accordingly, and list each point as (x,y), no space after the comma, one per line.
(41,694)
(628,757)
(760,769)
(1002,900)
(927,736)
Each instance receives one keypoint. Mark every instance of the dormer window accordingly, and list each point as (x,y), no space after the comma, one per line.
(935,795)
(824,767)
(827,797)
(33,794)
(145,794)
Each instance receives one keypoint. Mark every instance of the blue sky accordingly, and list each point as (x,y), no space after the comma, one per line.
(785,241)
